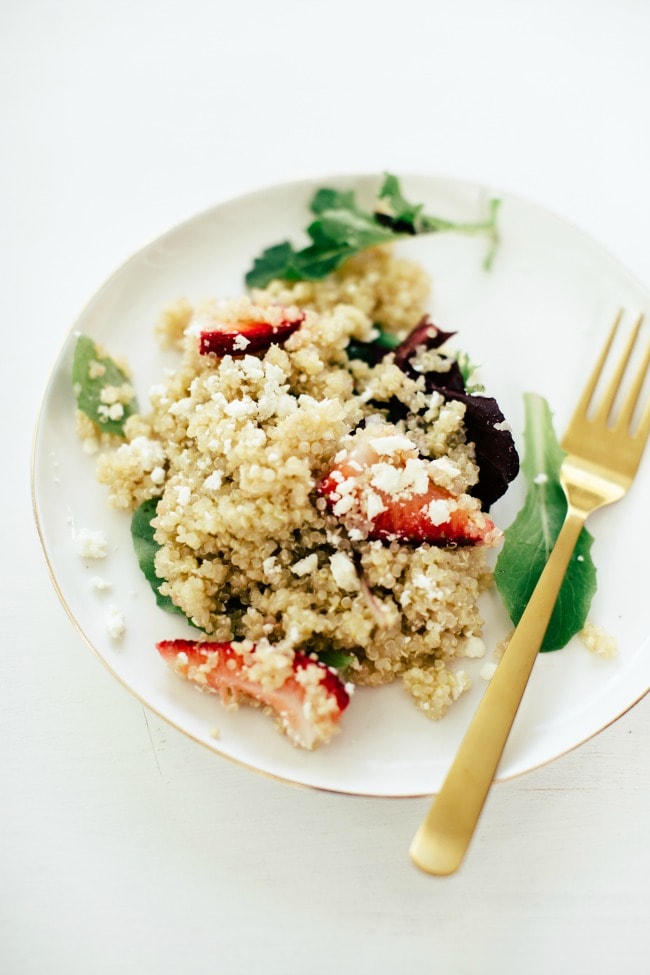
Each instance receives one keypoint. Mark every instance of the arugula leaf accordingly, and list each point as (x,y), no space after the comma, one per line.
(402,211)
(145,545)
(91,373)
(530,538)
(342,229)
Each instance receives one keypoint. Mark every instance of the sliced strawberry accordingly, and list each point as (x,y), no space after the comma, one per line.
(307,697)
(253,335)
(381,488)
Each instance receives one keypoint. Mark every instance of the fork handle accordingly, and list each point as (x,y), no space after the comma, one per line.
(440,843)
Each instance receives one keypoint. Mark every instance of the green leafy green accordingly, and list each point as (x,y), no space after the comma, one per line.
(342,229)
(338,659)
(373,352)
(145,545)
(91,374)
(469,371)
(530,538)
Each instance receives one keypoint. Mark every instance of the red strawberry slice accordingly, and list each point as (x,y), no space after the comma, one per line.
(381,488)
(254,335)
(307,697)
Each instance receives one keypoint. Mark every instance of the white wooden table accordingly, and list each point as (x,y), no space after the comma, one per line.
(125,847)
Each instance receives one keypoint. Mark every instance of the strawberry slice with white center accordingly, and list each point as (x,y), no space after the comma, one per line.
(381,488)
(243,337)
(307,697)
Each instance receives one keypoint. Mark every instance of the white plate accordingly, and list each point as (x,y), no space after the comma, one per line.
(534,321)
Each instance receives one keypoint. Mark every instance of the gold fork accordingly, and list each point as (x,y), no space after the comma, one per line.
(603,454)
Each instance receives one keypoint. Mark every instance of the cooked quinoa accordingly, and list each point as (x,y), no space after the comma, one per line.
(235,446)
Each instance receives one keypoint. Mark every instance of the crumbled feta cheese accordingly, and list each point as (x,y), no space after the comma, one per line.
(271,568)
(344,572)
(473,647)
(416,475)
(115,625)
(374,505)
(92,544)
(214,481)
(438,511)
(251,366)
(306,565)
(444,465)
(150,453)
(412,478)
(113,412)
(540,478)
(240,407)
(420,581)
(274,373)
(488,670)
(386,478)
(344,505)
(392,444)
(100,584)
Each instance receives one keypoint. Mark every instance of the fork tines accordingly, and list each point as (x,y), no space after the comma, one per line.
(605,408)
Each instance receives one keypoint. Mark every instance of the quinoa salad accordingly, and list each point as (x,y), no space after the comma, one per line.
(317,496)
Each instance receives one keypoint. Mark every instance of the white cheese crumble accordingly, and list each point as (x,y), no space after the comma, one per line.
(421,581)
(344,505)
(100,584)
(115,625)
(344,572)
(240,407)
(438,511)
(306,565)
(92,545)
(473,647)
(213,482)
(272,570)
(413,478)
(113,412)
(374,505)
(392,444)
(488,670)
